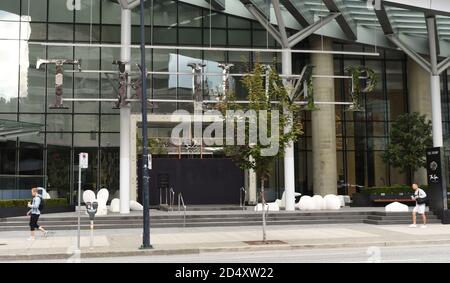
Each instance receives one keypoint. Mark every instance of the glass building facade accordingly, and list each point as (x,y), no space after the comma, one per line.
(29,27)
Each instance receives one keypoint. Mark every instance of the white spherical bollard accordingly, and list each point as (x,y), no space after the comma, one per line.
(396,207)
(134,205)
(102,198)
(332,202)
(115,205)
(88,196)
(306,203)
(318,202)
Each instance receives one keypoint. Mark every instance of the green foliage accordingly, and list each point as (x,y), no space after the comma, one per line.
(356,72)
(410,136)
(250,156)
(23,202)
(395,189)
(156,146)
(310,106)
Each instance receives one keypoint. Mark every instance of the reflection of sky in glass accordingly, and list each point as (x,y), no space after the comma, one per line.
(13,55)
(186,81)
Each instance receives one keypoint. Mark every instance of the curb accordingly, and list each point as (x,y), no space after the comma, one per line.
(168,252)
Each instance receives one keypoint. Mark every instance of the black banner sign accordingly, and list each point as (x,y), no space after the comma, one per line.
(437,192)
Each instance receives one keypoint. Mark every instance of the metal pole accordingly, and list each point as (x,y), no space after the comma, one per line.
(145,176)
(92,235)
(79,208)
(435,84)
(199,48)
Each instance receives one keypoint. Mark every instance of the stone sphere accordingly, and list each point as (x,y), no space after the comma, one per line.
(134,205)
(306,203)
(102,196)
(396,207)
(318,202)
(115,205)
(88,196)
(332,202)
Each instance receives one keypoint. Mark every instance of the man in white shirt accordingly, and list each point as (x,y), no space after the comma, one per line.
(420,207)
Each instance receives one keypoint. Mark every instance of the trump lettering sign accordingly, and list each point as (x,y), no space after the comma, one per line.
(83,160)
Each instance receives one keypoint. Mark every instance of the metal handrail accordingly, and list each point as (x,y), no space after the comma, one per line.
(166,196)
(181,202)
(242,200)
(171,198)
(161,195)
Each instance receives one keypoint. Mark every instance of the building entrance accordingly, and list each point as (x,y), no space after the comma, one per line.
(201,181)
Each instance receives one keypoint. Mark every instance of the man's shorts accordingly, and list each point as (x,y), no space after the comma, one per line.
(419,208)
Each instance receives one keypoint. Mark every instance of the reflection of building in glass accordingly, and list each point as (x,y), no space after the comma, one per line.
(93,127)
(16,32)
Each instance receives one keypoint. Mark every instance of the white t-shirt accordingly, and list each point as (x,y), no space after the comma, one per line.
(419,193)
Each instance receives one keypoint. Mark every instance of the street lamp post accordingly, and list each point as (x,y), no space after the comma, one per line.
(145,156)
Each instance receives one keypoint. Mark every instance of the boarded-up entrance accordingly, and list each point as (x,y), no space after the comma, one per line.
(201,181)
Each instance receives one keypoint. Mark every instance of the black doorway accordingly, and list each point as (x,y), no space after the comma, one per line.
(201,181)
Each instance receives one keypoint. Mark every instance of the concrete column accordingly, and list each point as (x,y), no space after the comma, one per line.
(419,101)
(125,116)
(323,122)
(289,165)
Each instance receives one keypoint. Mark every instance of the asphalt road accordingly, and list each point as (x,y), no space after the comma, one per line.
(432,253)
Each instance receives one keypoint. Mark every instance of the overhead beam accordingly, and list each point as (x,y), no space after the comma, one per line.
(217,4)
(444,65)
(347,25)
(280,22)
(298,14)
(259,16)
(127,4)
(299,36)
(383,19)
(123,3)
(435,7)
(411,53)
(134,4)
(434,44)
(433,34)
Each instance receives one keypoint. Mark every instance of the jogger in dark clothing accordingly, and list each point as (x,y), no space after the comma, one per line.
(34,214)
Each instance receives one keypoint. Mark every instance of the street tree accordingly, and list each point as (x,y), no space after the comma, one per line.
(269,101)
(409,138)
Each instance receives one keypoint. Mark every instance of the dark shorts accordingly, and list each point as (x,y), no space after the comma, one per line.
(34,222)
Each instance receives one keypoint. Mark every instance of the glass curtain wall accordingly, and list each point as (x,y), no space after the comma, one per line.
(26,92)
(361,137)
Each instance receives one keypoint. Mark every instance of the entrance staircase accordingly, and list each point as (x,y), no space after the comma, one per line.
(160,219)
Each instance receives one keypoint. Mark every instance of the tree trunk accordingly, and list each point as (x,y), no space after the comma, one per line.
(263,201)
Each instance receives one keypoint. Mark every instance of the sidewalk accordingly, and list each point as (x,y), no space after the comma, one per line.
(108,243)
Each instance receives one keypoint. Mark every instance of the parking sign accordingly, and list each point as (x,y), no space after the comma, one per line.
(83,160)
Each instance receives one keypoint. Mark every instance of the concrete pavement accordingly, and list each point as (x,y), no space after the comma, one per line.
(371,254)
(112,243)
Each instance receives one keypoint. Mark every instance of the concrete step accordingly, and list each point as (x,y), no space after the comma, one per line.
(188,216)
(180,216)
(177,225)
(396,222)
(394,217)
(206,219)
(383,213)
(215,220)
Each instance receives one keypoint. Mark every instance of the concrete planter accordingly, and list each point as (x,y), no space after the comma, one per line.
(361,200)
